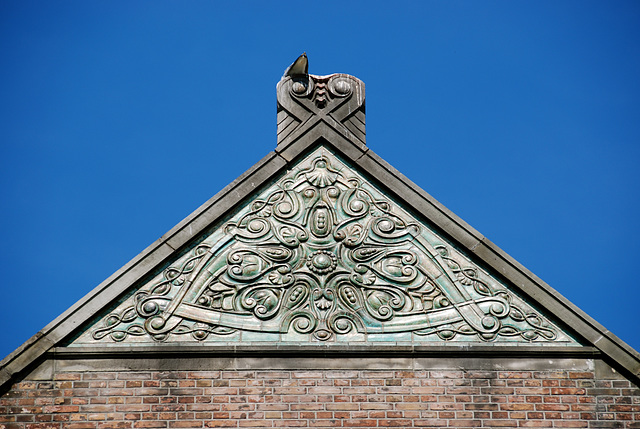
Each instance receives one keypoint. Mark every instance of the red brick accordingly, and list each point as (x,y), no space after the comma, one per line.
(342,406)
(429,423)
(334,398)
(567,391)
(221,424)
(150,424)
(255,423)
(468,423)
(486,406)
(292,423)
(325,423)
(61,409)
(113,425)
(504,423)
(515,374)
(550,374)
(552,407)
(186,424)
(571,424)
(517,407)
(394,423)
(581,375)
(535,424)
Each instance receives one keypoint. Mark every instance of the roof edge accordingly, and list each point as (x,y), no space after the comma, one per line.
(143,263)
(497,259)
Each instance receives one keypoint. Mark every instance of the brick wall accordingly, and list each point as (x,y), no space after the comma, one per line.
(327,398)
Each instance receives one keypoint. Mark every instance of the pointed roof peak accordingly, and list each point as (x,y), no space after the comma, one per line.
(322,245)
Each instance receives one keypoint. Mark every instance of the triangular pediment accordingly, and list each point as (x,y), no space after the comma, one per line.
(322,255)
(322,247)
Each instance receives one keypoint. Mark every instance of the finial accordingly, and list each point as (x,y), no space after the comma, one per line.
(304,100)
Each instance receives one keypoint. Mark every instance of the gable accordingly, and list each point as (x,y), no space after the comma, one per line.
(322,246)
(323,255)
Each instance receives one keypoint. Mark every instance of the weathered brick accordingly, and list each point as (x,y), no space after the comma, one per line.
(221,424)
(313,398)
(367,423)
(567,391)
(394,423)
(81,425)
(515,374)
(114,425)
(535,424)
(186,424)
(293,423)
(334,423)
(571,424)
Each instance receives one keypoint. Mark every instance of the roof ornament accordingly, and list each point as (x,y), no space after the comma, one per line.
(304,100)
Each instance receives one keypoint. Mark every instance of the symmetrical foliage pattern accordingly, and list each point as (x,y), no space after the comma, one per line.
(324,255)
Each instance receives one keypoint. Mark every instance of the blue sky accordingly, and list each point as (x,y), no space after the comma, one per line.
(117,119)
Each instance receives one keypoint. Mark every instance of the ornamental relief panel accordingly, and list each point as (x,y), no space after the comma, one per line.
(322,255)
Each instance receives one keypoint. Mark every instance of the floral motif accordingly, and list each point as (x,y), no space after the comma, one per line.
(323,253)
(322,262)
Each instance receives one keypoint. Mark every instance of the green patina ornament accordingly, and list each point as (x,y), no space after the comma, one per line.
(321,255)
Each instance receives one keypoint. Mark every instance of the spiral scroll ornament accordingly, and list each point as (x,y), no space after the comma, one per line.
(320,255)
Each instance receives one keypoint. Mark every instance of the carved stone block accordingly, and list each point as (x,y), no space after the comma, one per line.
(337,99)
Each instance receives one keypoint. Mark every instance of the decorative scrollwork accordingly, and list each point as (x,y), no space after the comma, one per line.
(338,99)
(322,253)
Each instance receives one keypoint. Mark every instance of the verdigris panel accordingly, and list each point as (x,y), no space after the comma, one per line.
(323,255)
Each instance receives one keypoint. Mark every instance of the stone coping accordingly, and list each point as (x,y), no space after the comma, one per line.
(337,350)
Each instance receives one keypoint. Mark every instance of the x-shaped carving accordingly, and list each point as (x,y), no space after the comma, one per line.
(310,99)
